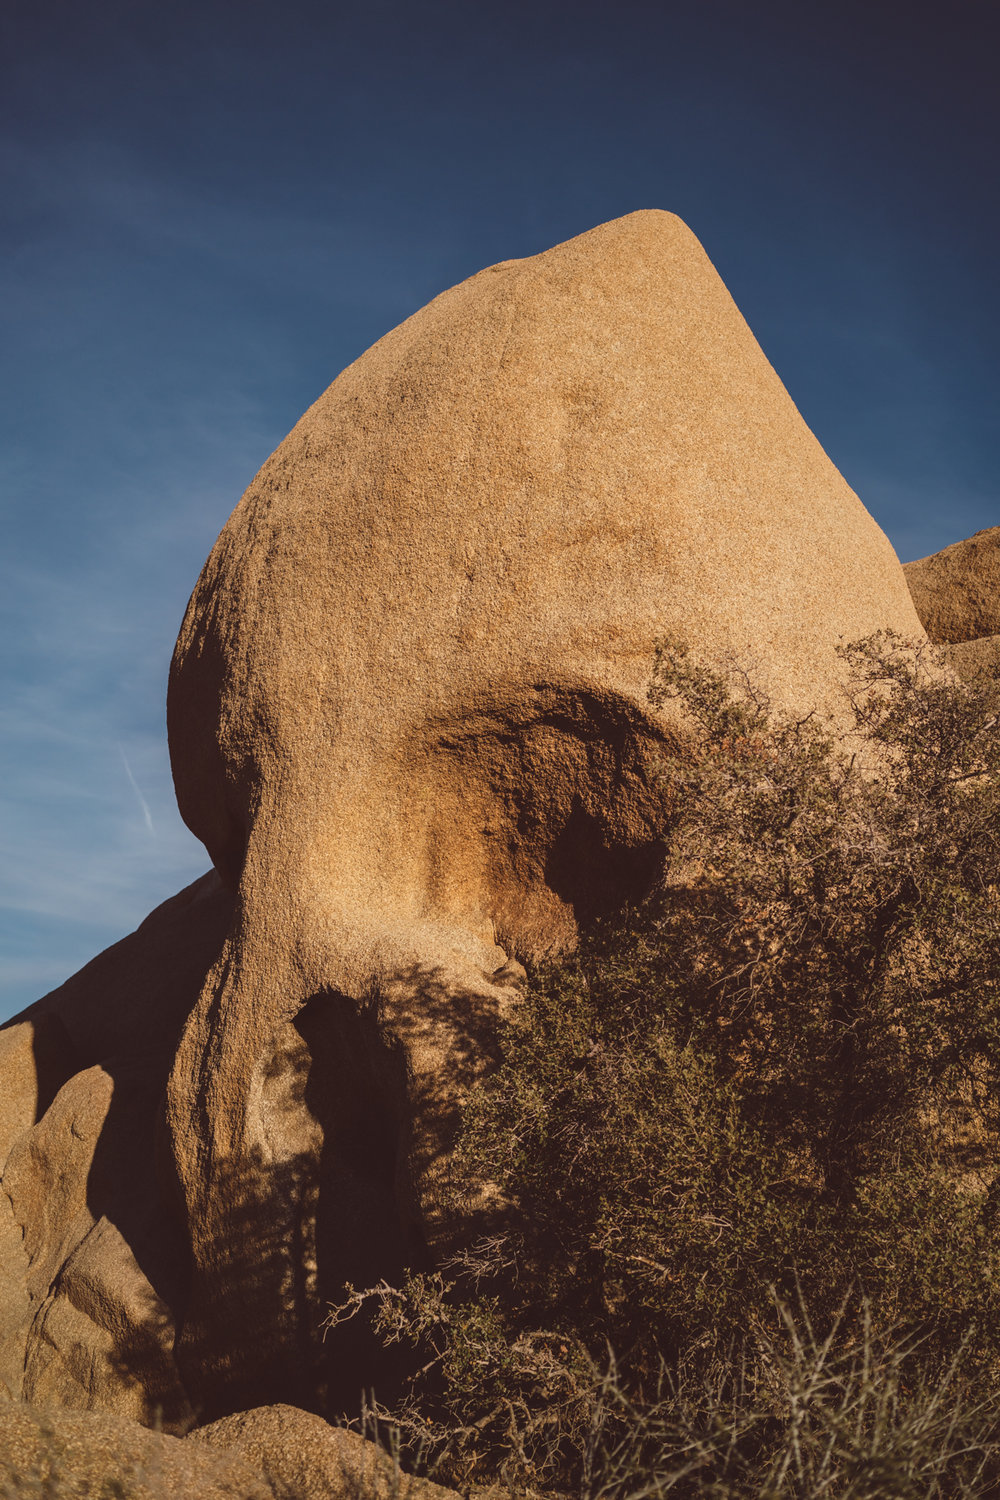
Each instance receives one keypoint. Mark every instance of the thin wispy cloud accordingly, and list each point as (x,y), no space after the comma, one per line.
(135,787)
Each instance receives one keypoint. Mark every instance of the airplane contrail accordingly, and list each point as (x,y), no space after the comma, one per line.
(135,787)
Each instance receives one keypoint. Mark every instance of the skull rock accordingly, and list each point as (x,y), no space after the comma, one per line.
(408,716)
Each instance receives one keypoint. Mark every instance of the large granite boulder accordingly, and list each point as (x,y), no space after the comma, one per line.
(408,718)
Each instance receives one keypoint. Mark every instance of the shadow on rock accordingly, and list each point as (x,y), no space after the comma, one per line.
(314,1207)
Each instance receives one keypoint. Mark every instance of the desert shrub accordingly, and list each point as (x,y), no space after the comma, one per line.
(773,1085)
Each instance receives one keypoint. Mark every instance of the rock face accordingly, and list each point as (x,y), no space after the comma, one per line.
(408,718)
(957,596)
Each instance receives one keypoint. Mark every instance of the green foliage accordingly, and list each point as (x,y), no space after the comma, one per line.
(774,1085)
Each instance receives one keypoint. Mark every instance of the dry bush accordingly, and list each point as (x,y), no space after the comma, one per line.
(774,1085)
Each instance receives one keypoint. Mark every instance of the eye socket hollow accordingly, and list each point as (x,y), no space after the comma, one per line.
(556,803)
(595,875)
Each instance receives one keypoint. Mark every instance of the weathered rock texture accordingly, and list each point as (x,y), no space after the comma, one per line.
(957,596)
(408,718)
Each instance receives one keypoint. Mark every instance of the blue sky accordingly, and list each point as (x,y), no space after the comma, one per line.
(208,210)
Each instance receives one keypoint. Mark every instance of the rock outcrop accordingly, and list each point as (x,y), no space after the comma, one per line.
(957,596)
(93,1244)
(408,718)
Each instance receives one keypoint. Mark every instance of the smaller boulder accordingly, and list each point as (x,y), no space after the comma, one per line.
(88,1455)
(972,659)
(957,592)
(304,1458)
